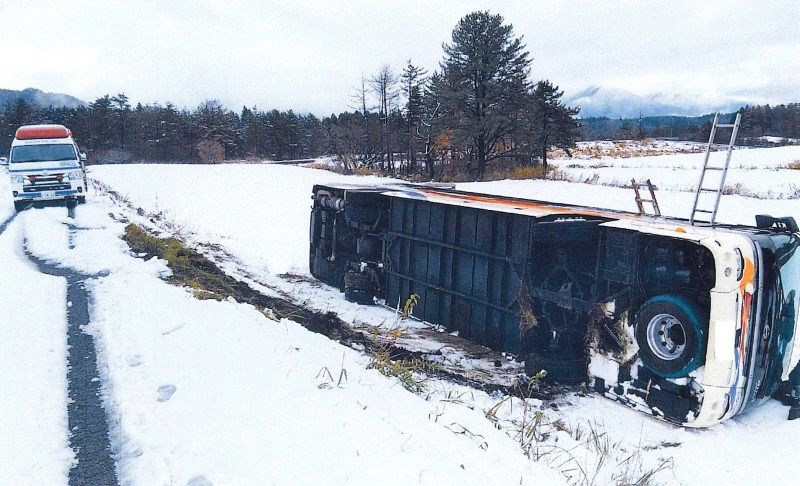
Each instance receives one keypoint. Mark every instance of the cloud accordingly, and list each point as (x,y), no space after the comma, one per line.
(309,55)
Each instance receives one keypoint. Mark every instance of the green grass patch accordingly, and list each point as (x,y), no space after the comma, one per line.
(189,268)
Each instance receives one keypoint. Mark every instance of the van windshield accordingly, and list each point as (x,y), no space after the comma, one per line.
(50,152)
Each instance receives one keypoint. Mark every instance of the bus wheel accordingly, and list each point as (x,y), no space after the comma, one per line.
(358,288)
(671,335)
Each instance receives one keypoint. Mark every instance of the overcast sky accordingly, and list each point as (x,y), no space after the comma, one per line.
(309,55)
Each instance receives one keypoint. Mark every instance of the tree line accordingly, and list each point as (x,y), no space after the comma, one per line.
(782,121)
(664,126)
(113,131)
(779,121)
(480,109)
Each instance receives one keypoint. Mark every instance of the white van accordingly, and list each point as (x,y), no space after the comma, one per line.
(45,164)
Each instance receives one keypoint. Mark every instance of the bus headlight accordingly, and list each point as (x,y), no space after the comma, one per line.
(17,179)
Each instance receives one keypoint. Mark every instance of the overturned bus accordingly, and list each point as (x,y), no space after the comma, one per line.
(693,324)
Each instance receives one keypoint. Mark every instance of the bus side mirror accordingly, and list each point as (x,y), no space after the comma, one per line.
(3,161)
(83,157)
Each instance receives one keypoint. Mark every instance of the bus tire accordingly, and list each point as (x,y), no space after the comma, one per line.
(359,288)
(360,215)
(671,334)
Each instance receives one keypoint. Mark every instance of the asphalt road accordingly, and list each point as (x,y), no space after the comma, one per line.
(88,423)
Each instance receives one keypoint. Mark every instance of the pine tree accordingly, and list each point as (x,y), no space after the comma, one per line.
(641,132)
(123,109)
(485,72)
(101,123)
(554,122)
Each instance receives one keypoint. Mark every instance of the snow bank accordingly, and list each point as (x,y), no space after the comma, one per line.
(34,442)
(6,202)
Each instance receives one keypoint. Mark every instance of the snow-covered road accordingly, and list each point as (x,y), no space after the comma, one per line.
(88,425)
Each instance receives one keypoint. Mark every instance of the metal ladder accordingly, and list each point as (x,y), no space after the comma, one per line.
(640,202)
(717,191)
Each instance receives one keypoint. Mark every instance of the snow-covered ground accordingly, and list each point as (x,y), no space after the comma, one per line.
(206,392)
(761,172)
(275,241)
(34,444)
(248,212)
(252,210)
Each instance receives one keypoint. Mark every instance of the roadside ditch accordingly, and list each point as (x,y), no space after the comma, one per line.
(206,280)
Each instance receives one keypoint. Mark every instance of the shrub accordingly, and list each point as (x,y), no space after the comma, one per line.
(210,151)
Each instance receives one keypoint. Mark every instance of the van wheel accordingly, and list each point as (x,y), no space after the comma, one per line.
(81,199)
(19,205)
(671,335)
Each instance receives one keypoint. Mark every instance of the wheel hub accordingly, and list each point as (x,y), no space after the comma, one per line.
(666,337)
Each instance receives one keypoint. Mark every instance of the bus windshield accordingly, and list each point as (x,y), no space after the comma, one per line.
(50,152)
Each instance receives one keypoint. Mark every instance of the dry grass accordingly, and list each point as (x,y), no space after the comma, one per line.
(794,165)
(407,371)
(519,173)
(320,166)
(410,371)
(739,190)
(366,170)
(623,149)
(501,173)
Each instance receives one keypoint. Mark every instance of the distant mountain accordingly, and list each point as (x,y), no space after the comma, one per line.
(39,98)
(615,103)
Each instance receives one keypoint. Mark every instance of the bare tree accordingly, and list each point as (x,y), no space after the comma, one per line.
(384,86)
(364,145)
(414,79)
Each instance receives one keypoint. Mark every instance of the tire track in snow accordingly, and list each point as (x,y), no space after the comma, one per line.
(5,223)
(88,423)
